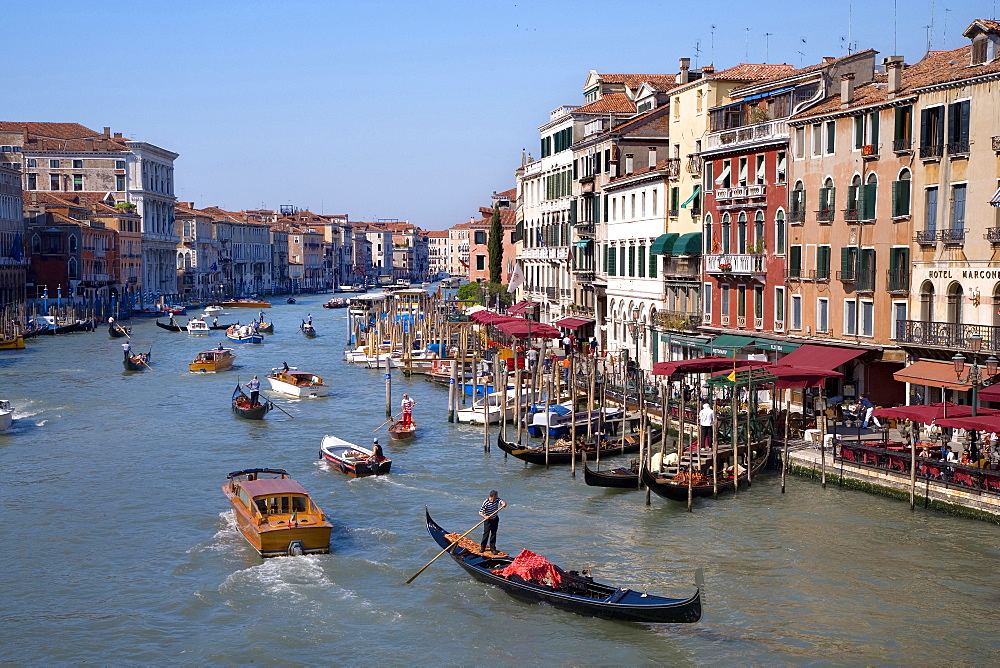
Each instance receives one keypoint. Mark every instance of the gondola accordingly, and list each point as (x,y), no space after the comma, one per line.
(618,478)
(572,592)
(216,327)
(702,486)
(290,300)
(243,409)
(171,326)
(266,327)
(400,432)
(308,329)
(137,361)
(562,454)
(116,331)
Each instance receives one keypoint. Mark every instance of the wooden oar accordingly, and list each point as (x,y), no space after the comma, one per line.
(122,330)
(455,542)
(144,361)
(386,422)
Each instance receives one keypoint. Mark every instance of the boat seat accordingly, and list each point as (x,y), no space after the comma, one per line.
(618,595)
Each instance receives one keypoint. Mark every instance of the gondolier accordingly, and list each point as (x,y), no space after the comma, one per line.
(254,387)
(706,418)
(491,506)
(407,405)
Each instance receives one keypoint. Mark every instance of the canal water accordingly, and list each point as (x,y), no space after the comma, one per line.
(118,545)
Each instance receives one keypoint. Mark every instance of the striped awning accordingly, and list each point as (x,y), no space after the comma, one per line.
(995,200)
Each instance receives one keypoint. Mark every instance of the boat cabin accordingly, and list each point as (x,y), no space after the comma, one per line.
(271,499)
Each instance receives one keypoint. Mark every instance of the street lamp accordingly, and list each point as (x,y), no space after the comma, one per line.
(975,377)
(634,326)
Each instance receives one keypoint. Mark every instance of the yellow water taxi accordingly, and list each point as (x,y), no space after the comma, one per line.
(210,361)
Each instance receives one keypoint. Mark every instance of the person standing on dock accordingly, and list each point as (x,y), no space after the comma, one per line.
(407,405)
(866,410)
(491,506)
(706,418)
(254,387)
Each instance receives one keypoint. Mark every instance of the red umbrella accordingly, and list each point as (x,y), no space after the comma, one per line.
(526,328)
(698,365)
(492,318)
(790,376)
(928,413)
(978,423)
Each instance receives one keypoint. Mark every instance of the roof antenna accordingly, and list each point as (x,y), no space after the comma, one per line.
(746,57)
(712,54)
(697,52)
(946,10)
(930,38)
(895,50)
(801,50)
(767,50)
(850,23)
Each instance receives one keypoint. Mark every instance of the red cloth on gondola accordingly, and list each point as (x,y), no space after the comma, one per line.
(535,567)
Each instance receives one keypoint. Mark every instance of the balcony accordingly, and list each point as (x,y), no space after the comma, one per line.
(958,148)
(864,281)
(950,335)
(797,217)
(688,268)
(673,168)
(694,164)
(902,145)
(825,215)
(677,320)
(852,215)
(847,275)
(953,237)
(869,152)
(741,192)
(931,152)
(898,280)
(819,275)
(751,134)
(992,235)
(739,264)
(996,143)
(673,213)
(926,237)
(545,253)
(584,275)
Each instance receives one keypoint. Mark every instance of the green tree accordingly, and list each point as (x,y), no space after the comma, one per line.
(494,246)
(470,292)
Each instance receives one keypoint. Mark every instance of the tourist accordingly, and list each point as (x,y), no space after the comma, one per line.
(593,346)
(868,409)
(254,387)
(407,405)
(706,418)
(491,506)
(567,344)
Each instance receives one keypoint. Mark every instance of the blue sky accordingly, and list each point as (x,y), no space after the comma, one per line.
(383,109)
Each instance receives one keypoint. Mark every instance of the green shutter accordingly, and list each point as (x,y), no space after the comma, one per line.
(597,209)
(572,212)
(674,196)
(652,265)
(575,177)
(605,208)
(852,201)
(845,262)
(795,261)
(901,198)
(642,261)
(621,257)
(631,260)
(597,162)
(859,131)
(831,136)
(874,132)
(869,200)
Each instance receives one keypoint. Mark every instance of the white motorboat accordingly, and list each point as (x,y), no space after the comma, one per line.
(490,408)
(297,383)
(198,326)
(211,311)
(384,360)
(6,415)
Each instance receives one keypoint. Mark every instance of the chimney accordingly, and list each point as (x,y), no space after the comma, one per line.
(652,157)
(685,65)
(707,71)
(107,132)
(118,135)
(628,163)
(894,68)
(846,90)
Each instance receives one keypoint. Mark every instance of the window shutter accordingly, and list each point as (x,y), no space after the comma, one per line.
(963,134)
(795,261)
(845,261)
(859,131)
(572,212)
(823,206)
(597,162)
(831,136)
(925,127)
(575,177)
(605,208)
(940,126)
(631,260)
(869,200)
(875,129)
(607,159)
(597,208)
(898,132)
(621,257)
(852,199)
(642,261)
(652,265)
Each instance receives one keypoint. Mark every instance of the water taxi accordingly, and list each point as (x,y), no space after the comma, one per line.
(198,326)
(211,361)
(275,514)
(213,310)
(13,343)
(246,303)
(243,334)
(6,415)
(297,383)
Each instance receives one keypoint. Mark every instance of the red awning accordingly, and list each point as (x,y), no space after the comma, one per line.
(791,377)
(991,393)
(492,318)
(928,413)
(698,365)
(989,423)
(526,328)
(819,357)
(573,323)
(933,373)
(520,307)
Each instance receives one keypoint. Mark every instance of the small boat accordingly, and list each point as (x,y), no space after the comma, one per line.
(242,407)
(562,452)
(222,327)
(275,514)
(242,334)
(619,478)
(116,331)
(13,343)
(266,327)
(290,300)
(52,325)
(213,310)
(297,383)
(198,326)
(246,303)
(491,408)
(336,302)
(211,361)
(6,415)
(559,420)
(171,326)
(530,577)
(175,310)
(351,459)
(137,361)
(674,485)
(359,287)
(402,432)
(308,329)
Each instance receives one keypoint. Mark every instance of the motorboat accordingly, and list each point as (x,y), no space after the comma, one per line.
(491,408)
(275,514)
(243,334)
(12,343)
(6,415)
(246,303)
(560,422)
(213,310)
(297,383)
(198,326)
(211,361)
(336,302)
(350,459)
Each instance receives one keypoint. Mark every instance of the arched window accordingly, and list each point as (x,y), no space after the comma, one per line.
(868,198)
(827,201)
(955,298)
(72,243)
(72,269)
(180,260)
(854,199)
(798,203)
(708,238)
(927,301)
(36,244)
(901,194)
(779,232)
(725,233)
(741,232)
(759,243)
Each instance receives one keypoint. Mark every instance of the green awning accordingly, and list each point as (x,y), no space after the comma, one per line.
(682,340)
(687,244)
(726,344)
(697,191)
(777,346)
(663,244)
(582,243)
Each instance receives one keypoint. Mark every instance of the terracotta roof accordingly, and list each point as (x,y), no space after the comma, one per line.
(754,71)
(778,76)
(438,234)
(988,25)
(636,80)
(616,102)
(50,130)
(507,193)
(63,137)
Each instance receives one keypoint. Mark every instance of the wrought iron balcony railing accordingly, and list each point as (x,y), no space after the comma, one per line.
(952,335)
(898,280)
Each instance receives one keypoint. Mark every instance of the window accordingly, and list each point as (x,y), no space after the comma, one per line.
(758,302)
(706,237)
(831,136)
(642,206)
(797,203)
(675,195)
(53,182)
(760,244)
(726,176)
(725,233)
(873,132)
(868,198)
(901,195)
(779,308)
(707,300)
(823,262)
(78,164)
(652,265)
(741,301)
(800,142)
(932,132)
(779,173)
(631,260)
(641,261)
(817,135)
(709,173)
(850,317)
(958,207)
(119,182)
(32,180)
(903,132)
(741,232)
(32,163)
(795,262)
(931,208)
(119,164)
(480,236)
(854,199)
(859,132)
(53,164)
(848,263)
(827,201)
(621,257)
(653,200)
(614,209)
(958,127)
(698,100)
(761,177)
(633,206)
(898,318)
(822,315)
(480,262)
(725,300)
(867,318)
(796,312)
(78,182)
(743,172)
(779,233)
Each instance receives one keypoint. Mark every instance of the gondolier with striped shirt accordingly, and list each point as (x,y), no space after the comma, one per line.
(491,507)
(407,405)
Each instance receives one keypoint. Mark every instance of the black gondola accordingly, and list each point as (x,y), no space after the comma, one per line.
(81,326)
(619,478)
(172,326)
(223,326)
(563,454)
(290,300)
(243,409)
(576,593)
(678,491)
(116,331)
(137,361)
(308,329)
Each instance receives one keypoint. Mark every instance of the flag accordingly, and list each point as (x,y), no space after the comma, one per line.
(731,377)
(16,253)
(516,278)
(215,266)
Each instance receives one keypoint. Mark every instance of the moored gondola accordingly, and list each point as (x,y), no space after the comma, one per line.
(618,478)
(562,454)
(244,409)
(676,487)
(566,590)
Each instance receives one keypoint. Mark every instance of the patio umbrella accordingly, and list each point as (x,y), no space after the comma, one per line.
(526,328)
(928,413)
(989,423)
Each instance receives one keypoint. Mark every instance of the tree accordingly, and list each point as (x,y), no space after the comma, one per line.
(494,246)
(470,292)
